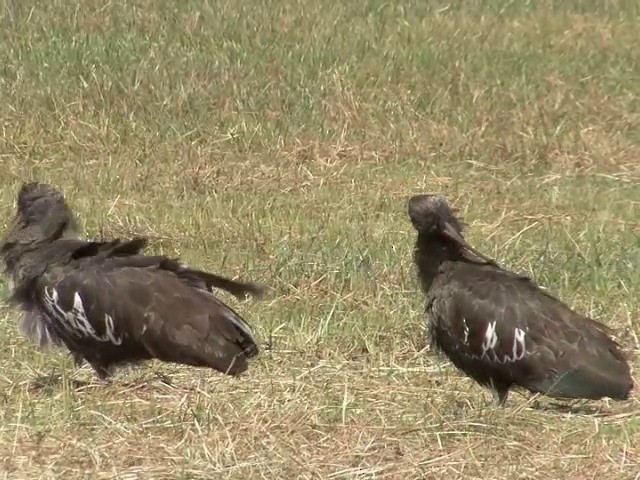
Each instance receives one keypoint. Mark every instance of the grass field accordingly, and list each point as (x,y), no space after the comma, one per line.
(278,142)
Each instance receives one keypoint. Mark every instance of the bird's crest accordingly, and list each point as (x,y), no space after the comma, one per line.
(432,216)
(42,216)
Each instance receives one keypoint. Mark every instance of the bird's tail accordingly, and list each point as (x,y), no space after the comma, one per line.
(207,281)
(208,333)
(131,251)
(594,378)
(231,344)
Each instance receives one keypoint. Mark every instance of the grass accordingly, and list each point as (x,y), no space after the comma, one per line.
(279,142)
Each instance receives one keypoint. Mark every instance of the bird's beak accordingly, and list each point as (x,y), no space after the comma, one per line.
(474,255)
(11,228)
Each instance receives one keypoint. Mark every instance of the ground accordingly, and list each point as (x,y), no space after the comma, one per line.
(279,142)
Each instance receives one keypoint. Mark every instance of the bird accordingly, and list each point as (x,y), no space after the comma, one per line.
(501,328)
(112,305)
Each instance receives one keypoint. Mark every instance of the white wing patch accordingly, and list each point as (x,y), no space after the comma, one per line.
(76,322)
(465,331)
(490,341)
(519,346)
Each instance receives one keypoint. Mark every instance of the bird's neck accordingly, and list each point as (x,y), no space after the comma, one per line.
(429,254)
(30,245)
(18,260)
(26,262)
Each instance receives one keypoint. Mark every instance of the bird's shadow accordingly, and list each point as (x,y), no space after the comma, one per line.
(569,409)
(54,381)
(576,407)
(543,404)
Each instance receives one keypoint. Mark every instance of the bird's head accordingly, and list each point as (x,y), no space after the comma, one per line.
(42,216)
(39,201)
(432,217)
(431,214)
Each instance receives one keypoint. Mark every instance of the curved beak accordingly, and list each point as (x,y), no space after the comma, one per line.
(11,228)
(469,252)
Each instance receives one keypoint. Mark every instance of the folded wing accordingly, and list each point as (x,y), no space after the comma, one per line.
(124,309)
(509,328)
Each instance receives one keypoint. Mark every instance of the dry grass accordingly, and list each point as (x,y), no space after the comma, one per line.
(279,142)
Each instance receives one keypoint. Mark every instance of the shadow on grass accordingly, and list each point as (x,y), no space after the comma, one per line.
(52,382)
(572,407)
(578,408)
(584,408)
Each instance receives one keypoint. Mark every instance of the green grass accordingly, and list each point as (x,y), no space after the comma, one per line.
(279,142)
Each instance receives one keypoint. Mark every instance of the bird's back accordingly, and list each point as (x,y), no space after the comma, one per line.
(503,324)
(117,305)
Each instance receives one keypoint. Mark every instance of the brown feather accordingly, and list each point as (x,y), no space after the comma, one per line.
(500,328)
(110,304)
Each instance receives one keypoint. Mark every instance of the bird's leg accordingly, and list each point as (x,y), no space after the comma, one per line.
(501,396)
(101,372)
(104,378)
(78,359)
(500,392)
(164,378)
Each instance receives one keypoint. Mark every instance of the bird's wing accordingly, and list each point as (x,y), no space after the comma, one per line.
(194,277)
(118,253)
(480,322)
(509,324)
(131,306)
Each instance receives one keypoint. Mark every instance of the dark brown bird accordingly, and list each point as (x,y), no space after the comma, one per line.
(499,327)
(109,303)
